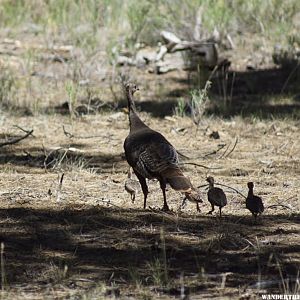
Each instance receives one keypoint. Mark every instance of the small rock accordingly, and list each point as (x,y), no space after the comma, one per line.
(172,61)
(124,60)
(171,119)
(179,130)
(238,172)
(170,37)
(84,82)
(214,135)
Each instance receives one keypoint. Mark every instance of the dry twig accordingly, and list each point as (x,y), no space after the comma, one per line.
(182,155)
(220,147)
(198,165)
(71,135)
(235,143)
(202,185)
(58,192)
(225,154)
(109,203)
(232,189)
(279,205)
(25,130)
(16,140)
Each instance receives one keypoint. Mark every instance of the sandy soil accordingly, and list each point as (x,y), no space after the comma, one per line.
(87,238)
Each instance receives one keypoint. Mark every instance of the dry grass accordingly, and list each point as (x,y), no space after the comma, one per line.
(93,241)
(85,239)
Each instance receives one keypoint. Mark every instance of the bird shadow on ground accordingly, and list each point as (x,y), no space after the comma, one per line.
(107,245)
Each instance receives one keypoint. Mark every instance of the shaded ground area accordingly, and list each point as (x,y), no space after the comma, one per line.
(265,90)
(125,248)
(263,93)
(86,239)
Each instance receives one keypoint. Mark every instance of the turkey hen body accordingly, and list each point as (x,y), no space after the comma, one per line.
(151,156)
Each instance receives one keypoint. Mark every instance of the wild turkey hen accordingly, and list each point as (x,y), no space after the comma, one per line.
(216,196)
(151,156)
(254,203)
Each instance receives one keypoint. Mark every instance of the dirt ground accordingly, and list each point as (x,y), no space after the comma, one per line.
(86,240)
(89,239)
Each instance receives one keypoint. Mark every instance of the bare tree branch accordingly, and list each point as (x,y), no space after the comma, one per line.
(58,192)
(16,140)
(279,205)
(71,135)
(68,134)
(225,154)
(220,147)
(198,165)
(202,185)
(235,143)
(25,130)
(232,189)
(182,155)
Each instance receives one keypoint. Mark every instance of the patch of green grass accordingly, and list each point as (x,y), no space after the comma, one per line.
(159,267)
(144,21)
(157,277)
(3,271)
(90,23)
(72,91)
(7,86)
(180,107)
(112,25)
(199,101)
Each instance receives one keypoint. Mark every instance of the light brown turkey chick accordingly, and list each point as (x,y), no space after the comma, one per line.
(131,185)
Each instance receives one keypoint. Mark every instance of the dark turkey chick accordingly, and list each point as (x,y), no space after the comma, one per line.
(254,203)
(216,196)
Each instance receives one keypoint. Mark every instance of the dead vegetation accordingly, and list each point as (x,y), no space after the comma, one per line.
(68,228)
(85,237)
